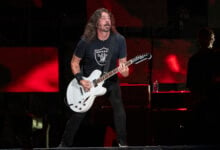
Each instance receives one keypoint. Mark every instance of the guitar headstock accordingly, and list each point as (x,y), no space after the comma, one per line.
(140,58)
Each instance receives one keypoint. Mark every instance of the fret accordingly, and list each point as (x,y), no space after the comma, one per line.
(111,73)
(136,59)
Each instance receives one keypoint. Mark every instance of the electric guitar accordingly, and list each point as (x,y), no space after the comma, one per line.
(81,101)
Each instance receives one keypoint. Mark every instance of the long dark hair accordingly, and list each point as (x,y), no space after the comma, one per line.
(90,28)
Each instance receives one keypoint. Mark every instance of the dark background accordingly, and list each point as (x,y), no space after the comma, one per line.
(165,28)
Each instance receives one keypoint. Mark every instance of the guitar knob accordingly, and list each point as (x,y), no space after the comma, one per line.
(76,106)
(79,102)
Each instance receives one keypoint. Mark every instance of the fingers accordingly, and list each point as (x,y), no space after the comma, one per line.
(86,85)
(122,68)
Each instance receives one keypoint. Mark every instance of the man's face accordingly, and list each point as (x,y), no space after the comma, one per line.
(212,40)
(104,22)
(207,41)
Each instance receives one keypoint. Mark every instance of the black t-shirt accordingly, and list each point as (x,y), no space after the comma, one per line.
(203,68)
(203,77)
(95,52)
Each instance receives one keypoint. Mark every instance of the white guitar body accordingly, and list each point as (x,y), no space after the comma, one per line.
(80,100)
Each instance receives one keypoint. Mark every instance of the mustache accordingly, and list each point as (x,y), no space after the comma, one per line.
(107,24)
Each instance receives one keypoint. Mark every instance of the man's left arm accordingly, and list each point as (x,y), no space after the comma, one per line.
(122,68)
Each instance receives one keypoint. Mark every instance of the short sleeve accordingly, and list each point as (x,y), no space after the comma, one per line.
(80,49)
(122,46)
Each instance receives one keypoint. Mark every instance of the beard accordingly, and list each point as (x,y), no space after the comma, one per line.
(104,28)
(107,28)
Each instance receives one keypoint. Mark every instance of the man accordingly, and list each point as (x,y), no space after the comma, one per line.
(101,47)
(203,80)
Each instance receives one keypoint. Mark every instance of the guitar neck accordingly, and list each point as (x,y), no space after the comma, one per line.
(111,73)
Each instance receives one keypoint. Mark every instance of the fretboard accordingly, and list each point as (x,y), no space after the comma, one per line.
(111,73)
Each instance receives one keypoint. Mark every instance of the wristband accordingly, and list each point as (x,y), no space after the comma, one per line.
(78,77)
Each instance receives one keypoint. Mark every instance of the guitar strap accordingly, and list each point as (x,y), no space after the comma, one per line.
(109,55)
(107,64)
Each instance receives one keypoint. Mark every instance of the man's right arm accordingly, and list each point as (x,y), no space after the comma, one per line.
(75,66)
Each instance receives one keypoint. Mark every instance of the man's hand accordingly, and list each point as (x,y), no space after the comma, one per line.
(86,84)
(123,69)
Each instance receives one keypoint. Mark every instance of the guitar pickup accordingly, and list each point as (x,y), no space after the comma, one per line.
(95,83)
